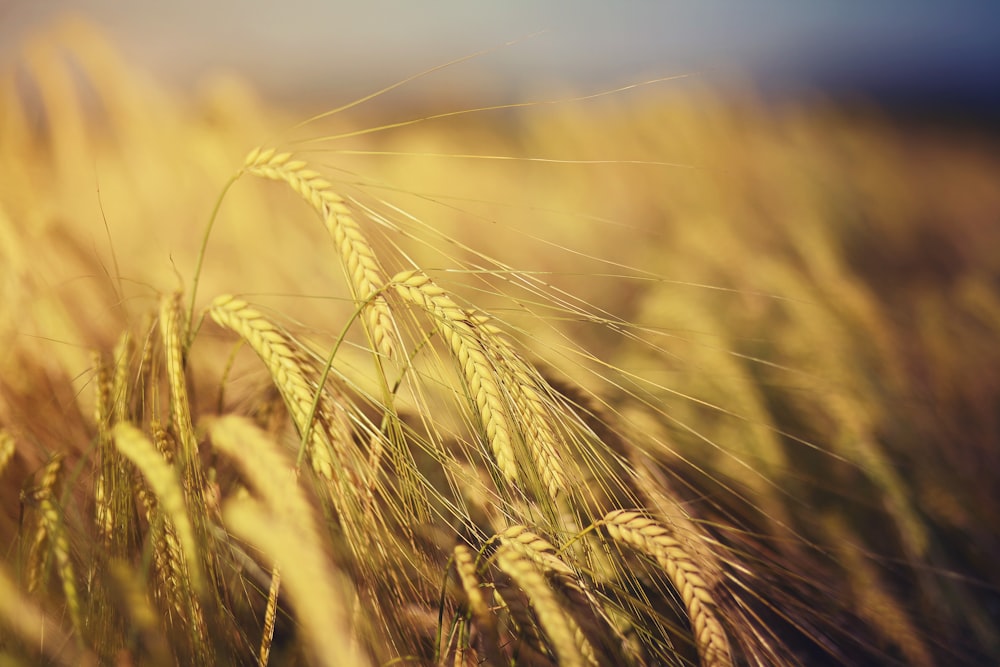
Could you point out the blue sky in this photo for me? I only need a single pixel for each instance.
(924, 51)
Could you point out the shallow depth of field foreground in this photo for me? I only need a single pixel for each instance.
(651, 378)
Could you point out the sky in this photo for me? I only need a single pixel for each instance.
(917, 52)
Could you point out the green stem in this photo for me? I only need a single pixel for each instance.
(307, 431)
(201, 252)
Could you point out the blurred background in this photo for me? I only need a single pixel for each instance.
(914, 57)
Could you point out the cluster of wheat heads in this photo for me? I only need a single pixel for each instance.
(424, 552)
(225, 485)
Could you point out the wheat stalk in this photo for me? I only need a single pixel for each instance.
(654, 540)
(363, 270)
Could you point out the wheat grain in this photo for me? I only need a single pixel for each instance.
(363, 270)
(654, 540)
(163, 440)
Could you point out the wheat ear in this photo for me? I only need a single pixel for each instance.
(327, 443)
(175, 550)
(50, 531)
(172, 331)
(876, 603)
(563, 633)
(284, 528)
(64, 565)
(465, 565)
(120, 378)
(168, 557)
(537, 548)
(266, 469)
(485, 622)
(6, 449)
(459, 331)
(132, 596)
(166, 486)
(26, 620)
(270, 614)
(103, 513)
(654, 540)
(113, 509)
(363, 270)
(534, 416)
(42, 491)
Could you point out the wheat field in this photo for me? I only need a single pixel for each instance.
(652, 377)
